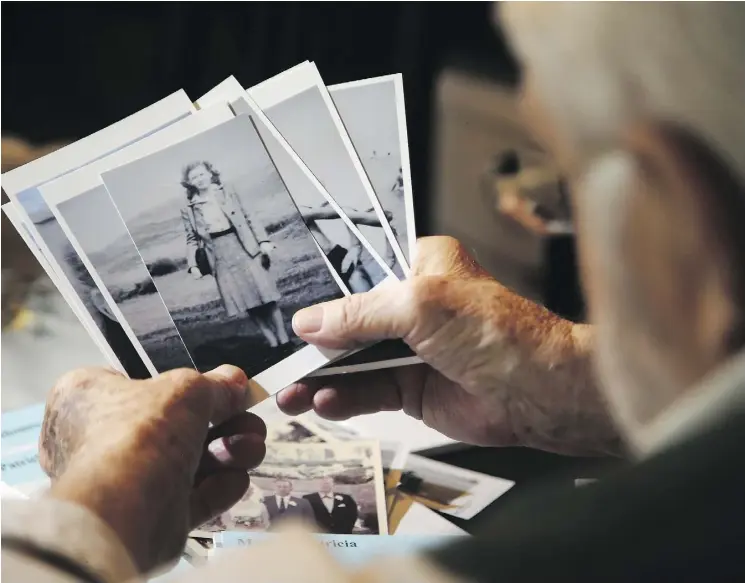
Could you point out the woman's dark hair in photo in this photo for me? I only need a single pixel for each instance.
(191, 190)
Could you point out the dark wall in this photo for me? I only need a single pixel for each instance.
(71, 68)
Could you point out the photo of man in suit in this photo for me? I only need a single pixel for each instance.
(335, 513)
(283, 505)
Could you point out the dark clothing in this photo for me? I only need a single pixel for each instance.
(678, 516)
(336, 257)
(341, 520)
(297, 508)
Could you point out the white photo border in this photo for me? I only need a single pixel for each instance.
(301, 78)
(403, 139)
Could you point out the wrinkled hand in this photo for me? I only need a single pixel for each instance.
(141, 454)
(500, 369)
(267, 247)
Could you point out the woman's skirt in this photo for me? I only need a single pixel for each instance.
(241, 280)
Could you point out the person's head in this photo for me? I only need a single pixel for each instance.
(641, 104)
(326, 485)
(282, 487)
(198, 176)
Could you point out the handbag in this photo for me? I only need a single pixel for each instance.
(201, 258)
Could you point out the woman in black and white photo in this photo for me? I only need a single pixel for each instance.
(223, 241)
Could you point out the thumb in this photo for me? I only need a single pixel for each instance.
(385, 313)
(230, 391)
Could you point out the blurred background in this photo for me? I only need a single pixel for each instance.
(69, 69)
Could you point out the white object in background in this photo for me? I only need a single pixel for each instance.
(398, 426)
(10, 493)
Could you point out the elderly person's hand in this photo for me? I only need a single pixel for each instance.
(500, 370)
(142, 456)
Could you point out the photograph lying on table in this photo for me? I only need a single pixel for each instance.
(334, 488)
(449, 489)
(297, 103)
(215, 206)
(374, 115)
(281, 427)
(22, 187)
(293, 431)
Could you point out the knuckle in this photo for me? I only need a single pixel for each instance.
(426, 292)
(182, 379)
(351, 314)
(426, 300)
(78, 379)
(437, 254)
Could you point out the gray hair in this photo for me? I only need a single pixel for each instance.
(600, 66)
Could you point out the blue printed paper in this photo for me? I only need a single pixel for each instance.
(20, 446)
(350, 550)
(21, 427)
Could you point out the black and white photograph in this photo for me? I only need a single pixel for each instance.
(215, 206)
(333, 488)
(95, 228)
(22, 186)
(351, 256)
(298, 104)
(79, 289)
(374, 117)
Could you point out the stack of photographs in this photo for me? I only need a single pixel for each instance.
(190, 232)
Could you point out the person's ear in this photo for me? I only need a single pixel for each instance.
(683, 237)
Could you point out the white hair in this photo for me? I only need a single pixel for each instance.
(600, 66)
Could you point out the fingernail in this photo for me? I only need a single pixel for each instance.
(218, 449)
(308, 321)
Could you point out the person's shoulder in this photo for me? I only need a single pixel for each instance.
(309, 496)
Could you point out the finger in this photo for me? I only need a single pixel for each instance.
(384, 313)
(238, 452)
(216, 494)
(242, 423)
(345, 396)
(229, 392)
(298, 397)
